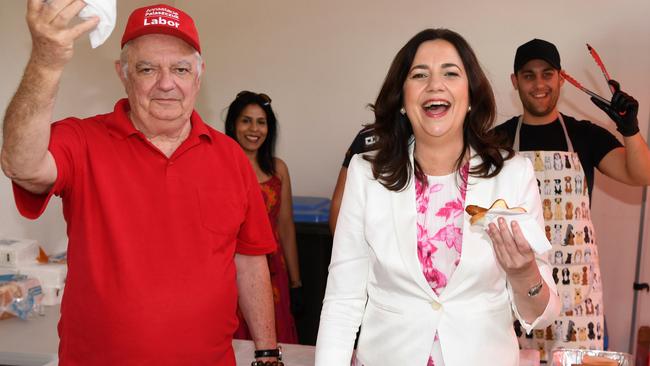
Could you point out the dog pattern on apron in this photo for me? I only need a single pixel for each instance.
(574, 255)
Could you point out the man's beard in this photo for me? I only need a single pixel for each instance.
(538, 110)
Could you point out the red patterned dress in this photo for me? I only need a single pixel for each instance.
(285, 327)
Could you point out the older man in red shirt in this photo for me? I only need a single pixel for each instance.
(166, 223)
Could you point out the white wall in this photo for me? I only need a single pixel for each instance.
(322, 62)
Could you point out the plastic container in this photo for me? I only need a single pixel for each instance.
(571, 357)
(14, 252)
(311, 216)
(311, 209)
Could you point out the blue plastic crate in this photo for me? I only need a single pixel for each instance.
(311, 209)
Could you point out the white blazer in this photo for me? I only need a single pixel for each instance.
(376, 282)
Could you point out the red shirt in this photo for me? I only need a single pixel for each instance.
(151, 277)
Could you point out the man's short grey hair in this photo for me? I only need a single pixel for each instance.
(124, 61)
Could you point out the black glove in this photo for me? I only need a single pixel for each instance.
(297, 301)
(623, 110)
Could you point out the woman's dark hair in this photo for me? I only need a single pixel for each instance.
(391, 164)
(267, 150)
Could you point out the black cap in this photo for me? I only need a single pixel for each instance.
(537, 49)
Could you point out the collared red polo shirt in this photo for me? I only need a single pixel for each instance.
(151, 277)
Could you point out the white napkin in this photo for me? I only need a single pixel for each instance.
(529, 226)
(106, 11)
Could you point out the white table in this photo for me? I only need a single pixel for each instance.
(34, 342)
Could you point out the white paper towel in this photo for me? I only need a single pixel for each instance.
(529, 226)
(106, 11)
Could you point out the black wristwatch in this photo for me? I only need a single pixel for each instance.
(536, 289)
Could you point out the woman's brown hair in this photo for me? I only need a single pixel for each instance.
(391, 164)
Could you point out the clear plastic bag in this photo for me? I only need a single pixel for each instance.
(20, 296)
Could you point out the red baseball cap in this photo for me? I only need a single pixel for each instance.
(161, 19)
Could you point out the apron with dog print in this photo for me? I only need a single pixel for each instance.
(573, 257)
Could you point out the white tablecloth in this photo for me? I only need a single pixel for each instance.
(293, 354)
(35, 342)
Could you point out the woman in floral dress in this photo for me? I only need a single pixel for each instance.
(426, 287)
(251, 122)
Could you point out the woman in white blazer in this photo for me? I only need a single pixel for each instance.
(425, 286)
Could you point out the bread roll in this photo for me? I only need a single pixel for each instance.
(478, 213)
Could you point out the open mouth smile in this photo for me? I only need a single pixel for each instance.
(436, 108)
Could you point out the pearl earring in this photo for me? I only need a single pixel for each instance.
(402, 111)
(469, 109)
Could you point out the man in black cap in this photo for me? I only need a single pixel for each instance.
(564, 153)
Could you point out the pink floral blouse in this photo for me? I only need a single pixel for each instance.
(440, 205)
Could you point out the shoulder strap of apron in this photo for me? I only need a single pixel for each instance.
(520, 120)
